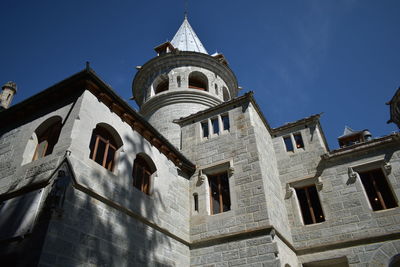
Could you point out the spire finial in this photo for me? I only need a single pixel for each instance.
(186, 8)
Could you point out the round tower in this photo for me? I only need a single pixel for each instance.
(9, 89)
(182, 80)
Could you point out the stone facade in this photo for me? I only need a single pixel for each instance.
(91, 214)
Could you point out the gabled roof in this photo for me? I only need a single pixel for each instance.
(348, 132)
(186, 39)
(87, 79)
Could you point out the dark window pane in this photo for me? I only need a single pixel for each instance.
(316, 204)
(196, 202)
(110, 158)
(288, 143)
(101, 148)
(204, 127)
(226, 199)
(219, 190)
(378, 191)
(141, 175)
(225, 122)
(299, 140)
(304, 207)
(215, 125)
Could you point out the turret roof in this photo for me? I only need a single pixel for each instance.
(186, 39)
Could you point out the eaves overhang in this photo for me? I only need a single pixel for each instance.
(362, 147)
(246, 98)
(88, 80)
(304, 121)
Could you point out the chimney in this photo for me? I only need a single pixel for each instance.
(9, 89)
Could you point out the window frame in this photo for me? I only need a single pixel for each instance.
(222, 198)
(379, 196)
(211, 130)
(299, 144)
(105, 154)
(309, 206)
(288, 137)
(148, 173)
(223, 124)
(50, 138)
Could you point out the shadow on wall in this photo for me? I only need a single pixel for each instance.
(95, 231)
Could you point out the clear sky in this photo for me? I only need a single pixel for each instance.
(300, 57)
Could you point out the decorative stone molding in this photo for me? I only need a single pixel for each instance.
(231, 170)
(387, 167)
(289, 191)
(352, 176)
(202, 177)
(318, 184)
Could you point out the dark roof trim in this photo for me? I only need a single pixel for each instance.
(310, 119)
(349, 150)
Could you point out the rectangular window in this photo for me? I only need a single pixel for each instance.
(225, 122)
(220, 200)
(288, 143)
(310, 205)
(299, 140)
(380, 195)
(204, 128)
(215, 125)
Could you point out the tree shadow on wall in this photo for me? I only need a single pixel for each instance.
(112, 228)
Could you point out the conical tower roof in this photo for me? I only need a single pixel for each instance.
(186, 39)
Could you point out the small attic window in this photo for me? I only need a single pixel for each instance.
(299, 140)
(216, 89)
(288, 143)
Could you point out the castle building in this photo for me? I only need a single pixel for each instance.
(196, 177)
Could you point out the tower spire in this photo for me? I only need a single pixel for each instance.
(186, 39)
(186, 8)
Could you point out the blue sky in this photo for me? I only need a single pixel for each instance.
(300, 57)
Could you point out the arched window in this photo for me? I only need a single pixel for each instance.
(395, 261)
(143, 169)
(225, 94)
(103, 146)
(178, 81)
(161, 84)
(216, 89)
(198, 80)
(47, 137)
